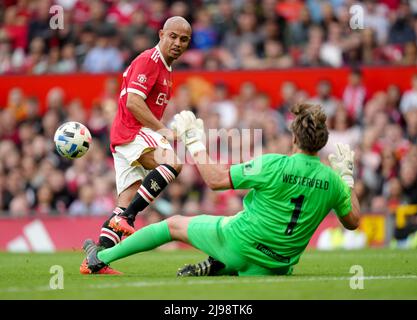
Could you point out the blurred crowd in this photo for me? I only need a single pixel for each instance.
(381, 128)
(106, 35)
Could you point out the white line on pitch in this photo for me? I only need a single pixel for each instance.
(179, 282)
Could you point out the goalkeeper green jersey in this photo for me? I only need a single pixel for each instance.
(289, 197)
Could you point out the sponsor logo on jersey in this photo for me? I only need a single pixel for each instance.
(161, 99)
(271, 253)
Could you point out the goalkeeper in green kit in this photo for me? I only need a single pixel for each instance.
(289, 197)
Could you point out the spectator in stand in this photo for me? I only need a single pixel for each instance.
(61, 197)
(224, 18)
(224, 106)
(341, 129)
(369, 51)
(325, 98)
(121, 12)
(311, 51)
(85, 43)
(290, 9)
(394, 194)
(68, 62)
(401, 30)
(274, 56)
(331, 52)
(354, 95)
(288, 99)
(377, 20)
(410, 54)
(44, 205)
(19, 206)
(55, 102)
(36, 61)
(245, 98)
(38, 25)
(245, 32)
(247, 57)
(411, 126)
(408, 178)
(141, 33)
(204, 34)
(388, 37)
(388, 169)
(298, 30)
(85, 205)
(409, 99)
(393, 104)
(5, 53)
(103, 57)
(393, 137)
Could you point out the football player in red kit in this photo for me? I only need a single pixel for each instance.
(136, 138)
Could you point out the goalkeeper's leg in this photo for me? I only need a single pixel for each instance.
(151, 237)
(147, 238)
(207, 267)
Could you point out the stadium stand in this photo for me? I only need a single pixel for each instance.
(104, 36)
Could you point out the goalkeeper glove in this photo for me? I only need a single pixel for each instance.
(190, 130)
(342, 163)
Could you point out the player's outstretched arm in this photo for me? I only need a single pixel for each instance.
(140, 110)
(342, 162)
(191, 131)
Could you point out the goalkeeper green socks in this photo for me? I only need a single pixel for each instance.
(147, 238)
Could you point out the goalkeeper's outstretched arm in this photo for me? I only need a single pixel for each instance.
(215, 175)
(351, 220)
(343, 162)
(191, 131)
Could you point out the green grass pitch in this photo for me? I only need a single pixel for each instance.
(388, 274)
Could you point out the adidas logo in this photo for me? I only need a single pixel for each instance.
(35, 238)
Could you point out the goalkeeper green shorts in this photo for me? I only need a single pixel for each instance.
(206, 234)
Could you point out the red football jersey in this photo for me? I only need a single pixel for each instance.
(150, 77)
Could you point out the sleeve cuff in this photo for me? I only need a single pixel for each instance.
(136, 91)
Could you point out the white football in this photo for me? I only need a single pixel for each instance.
(72, 140)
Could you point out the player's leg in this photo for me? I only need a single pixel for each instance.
(153, 236)
(147, 238)
(130, 172)
(128, 180)
(128, 176)
(163, 170)
(109, 236)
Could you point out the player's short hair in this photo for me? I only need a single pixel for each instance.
(309, 127)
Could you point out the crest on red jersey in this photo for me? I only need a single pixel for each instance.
(142, 78)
